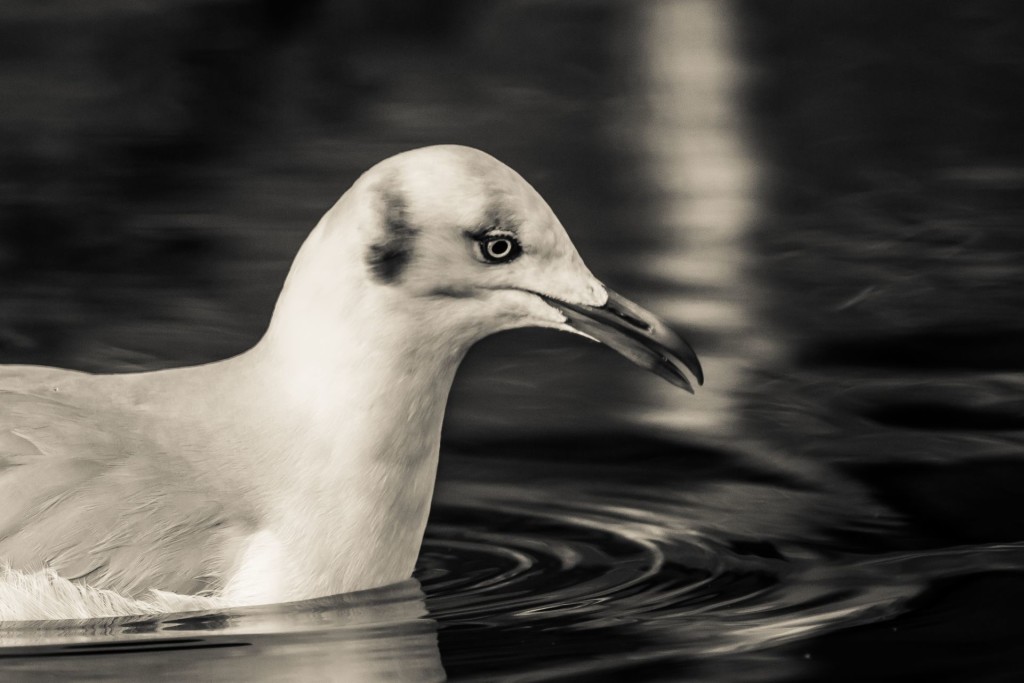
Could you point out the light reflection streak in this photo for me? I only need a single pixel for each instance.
(697, 158)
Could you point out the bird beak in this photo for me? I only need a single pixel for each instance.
(636, 334)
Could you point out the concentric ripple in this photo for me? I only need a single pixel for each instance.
(537, 565)
(501, 563)
(571, 575)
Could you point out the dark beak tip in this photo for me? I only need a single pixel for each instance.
(638, 335)
(688, 385)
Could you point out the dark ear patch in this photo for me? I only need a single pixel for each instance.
(388, 257)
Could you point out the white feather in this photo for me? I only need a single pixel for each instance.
(42, 595)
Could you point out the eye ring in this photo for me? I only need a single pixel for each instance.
(499, 248)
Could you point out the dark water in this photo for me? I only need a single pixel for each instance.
(828, 200)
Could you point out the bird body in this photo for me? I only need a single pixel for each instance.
(214, 478)
(305, 466)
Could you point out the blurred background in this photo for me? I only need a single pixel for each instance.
(825, 198)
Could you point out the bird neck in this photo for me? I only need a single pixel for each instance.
(351, 405)
(351, 496)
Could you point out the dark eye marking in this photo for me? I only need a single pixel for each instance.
(388, 257)
(498, 246)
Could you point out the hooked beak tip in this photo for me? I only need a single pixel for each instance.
(637, 334)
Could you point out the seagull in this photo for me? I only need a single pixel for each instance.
(305, 466)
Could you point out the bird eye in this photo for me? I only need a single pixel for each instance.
(499, 248)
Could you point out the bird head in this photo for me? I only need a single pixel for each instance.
(449, 239)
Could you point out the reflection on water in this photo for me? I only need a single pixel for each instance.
(696, 162)
(848, 480)
(353, 635)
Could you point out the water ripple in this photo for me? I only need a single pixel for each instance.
(652, 577)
